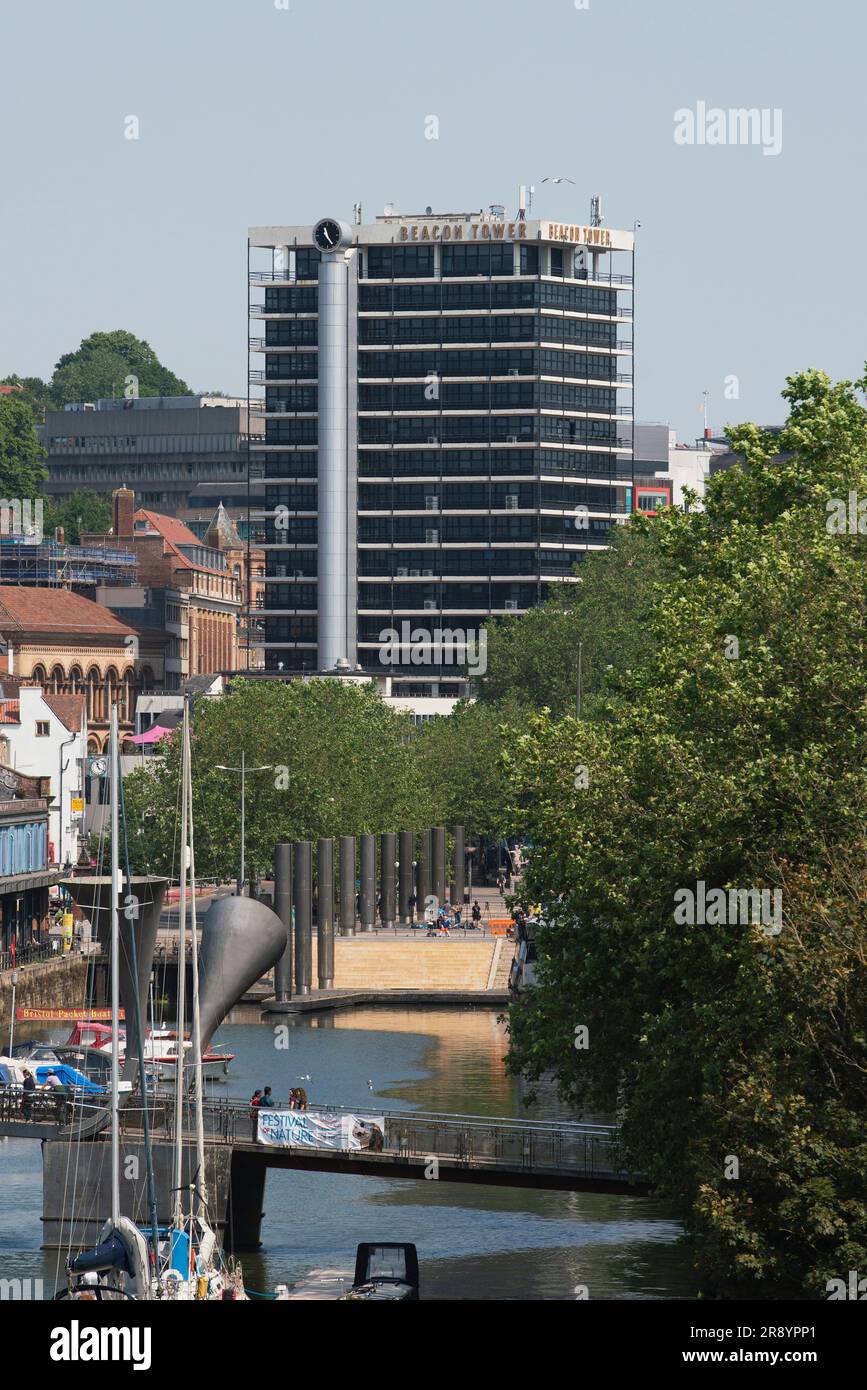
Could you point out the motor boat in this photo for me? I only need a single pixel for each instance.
(383, 1274)
(160, 1048)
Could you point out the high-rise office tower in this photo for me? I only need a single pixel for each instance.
(448, 429)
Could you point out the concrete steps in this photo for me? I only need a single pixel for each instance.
(425, 964)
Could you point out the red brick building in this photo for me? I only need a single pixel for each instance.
(191, 590)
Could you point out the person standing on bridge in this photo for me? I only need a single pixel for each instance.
(27, 1098)
(267, 1099)
(255, 1101)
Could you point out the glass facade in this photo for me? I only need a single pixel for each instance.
(494, 434)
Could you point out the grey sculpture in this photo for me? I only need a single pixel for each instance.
(283, 908)
(241, 939)
(347, 885)
(388, 865)
(140, 909)
(459, 870)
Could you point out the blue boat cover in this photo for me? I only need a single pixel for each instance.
(180, 1254)
(67, 1074)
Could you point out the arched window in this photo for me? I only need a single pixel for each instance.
(57, 678)
(37, 675)
(76, 680)
(110, 688)
(127, 696)
(94, 697)
(92, 745)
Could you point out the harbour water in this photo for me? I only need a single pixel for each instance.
(473, 1242)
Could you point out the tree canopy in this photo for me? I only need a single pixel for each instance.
(101, 364)
(76, 512)
(729, 753)
(98, 369)
(22, 472)
(460, 762)
(338, 762)
(533, 659)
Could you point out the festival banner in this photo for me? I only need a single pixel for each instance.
(306, 1129)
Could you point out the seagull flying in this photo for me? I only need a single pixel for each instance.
(557, 178)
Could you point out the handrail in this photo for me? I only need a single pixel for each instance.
(550, 1146)
(27, 955)
(585, 276)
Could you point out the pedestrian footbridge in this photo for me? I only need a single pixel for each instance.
(409, 1144)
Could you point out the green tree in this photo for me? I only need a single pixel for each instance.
(340, 764)
(22, 472)
(76, 512)
(100, 366)
(732, 752)
(34, 392)
(460, 761)
(533, 658)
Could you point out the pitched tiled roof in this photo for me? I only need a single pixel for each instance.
(10, 712)
(175, 534)
(169, 527)
(25, 608)
(68, 708)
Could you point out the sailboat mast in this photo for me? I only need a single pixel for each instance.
(196, 1029)
(115, 971)
(182, 979)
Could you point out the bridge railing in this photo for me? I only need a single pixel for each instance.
(475, 1140)
(470, 1139)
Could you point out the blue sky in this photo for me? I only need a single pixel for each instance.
(252, 114)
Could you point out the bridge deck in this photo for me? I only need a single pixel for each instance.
(416, 1144)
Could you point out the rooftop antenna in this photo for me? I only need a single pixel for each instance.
(703, 408)
(596, 210)
(525, 200)
(356, 214)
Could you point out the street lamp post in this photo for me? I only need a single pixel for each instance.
(243, 769)
(14, 979)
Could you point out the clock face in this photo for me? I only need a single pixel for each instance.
(98, 767)
(328, 234)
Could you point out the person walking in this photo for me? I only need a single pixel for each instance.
(411, 904)
(476, 913)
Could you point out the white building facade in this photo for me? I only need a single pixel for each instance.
(49, 739)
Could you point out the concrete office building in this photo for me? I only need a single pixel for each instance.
(180, 455)
(447, 430)
(664, 468)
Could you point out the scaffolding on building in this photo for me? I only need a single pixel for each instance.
(54, 564)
